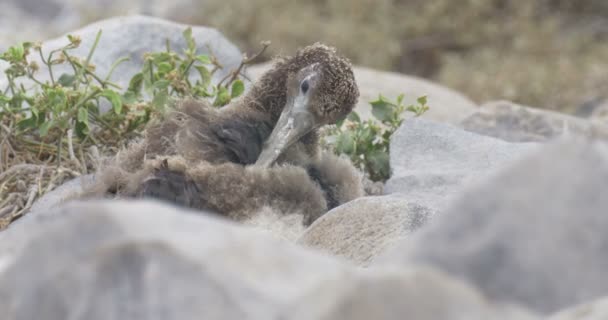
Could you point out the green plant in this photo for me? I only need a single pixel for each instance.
(71, 103)
(60, 121)
(366, 142)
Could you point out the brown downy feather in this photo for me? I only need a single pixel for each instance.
(209, 147)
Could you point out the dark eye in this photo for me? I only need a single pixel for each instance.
(304, 86)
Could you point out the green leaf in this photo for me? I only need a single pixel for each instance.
(16, 52)
(83, 115)
(222, 98)
(66, 80)
(422, 100)
(339, 123)
(4, 100)
(378, 165)
(400, 99)
(204, 59)
(160, 100)
(57, 99)
(82, 130)
(129, 97)
(30, 122)
(238, 87)
(354, 117)
(161, 84)
(345, 143)
(114, 99)
(44, 128)
(382, 110)
(136, 83)
(205, 75)
(164, 67)
(189, 40)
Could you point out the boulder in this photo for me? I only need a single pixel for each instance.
(446, 105)
(43, 19)
(361, 229)
(516, 123)
(432, 162)
(145, 260)
(57, 196)
(132, 37)
(596, 310)
(534, 234)
(416, 293)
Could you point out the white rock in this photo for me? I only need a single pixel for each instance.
(534, 234)
(432, 162)
(361, 229)
(596, 310)
(145, 260)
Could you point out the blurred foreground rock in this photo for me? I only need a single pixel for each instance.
(596, 310)
(144, 260)
(534, 234)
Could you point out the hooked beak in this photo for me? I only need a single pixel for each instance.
(294, 123)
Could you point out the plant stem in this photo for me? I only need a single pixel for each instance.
(114, 65)
(46, 62)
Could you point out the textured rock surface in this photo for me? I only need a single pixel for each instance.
(534, 234)
(144, 260)
(132, 37)
(446, 105)
(596, 310)
(432, 162)
(361, 229)
(419, 294)
(516, 123)
(63, 193)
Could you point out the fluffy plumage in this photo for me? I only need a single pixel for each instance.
(201, 157)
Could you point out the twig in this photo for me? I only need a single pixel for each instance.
(5, 210)
(71, 148)
(84, 67)
(20, 167)
(31, 195)
(8, 200)
(234, 74)
(48, 66)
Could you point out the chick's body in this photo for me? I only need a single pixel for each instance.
(203, 157)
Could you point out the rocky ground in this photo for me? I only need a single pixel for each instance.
(492, 212)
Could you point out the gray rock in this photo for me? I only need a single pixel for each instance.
(596, 310)
(145, 260)
(63, 193)
(132, 37)
(421, 294)
(516, 123)
(534, 234)
(446, 105)
(432, 162)
(36, 20)
(361, 229)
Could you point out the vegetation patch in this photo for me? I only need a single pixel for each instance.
(57, 129)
